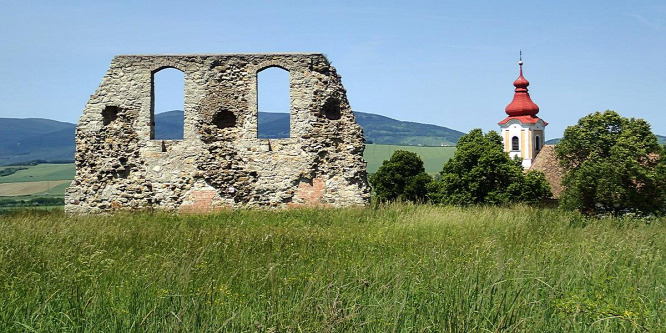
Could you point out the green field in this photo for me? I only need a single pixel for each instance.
(390, 268)
(40, 172)
(433, 157)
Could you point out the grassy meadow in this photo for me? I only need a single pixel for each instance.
(390, 268)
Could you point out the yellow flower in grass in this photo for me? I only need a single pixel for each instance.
(224, 289)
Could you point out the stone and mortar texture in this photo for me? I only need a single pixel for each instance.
(220, 163)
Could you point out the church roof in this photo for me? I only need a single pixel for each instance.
(546, 161)
(522, 104)
(523, 119)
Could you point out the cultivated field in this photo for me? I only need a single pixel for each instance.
(395, 268)
(37, 180)
(33, 188)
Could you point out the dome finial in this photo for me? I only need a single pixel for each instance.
(522, 104)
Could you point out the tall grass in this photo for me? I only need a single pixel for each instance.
(394, 268)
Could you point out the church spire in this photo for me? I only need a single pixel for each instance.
(522, 104)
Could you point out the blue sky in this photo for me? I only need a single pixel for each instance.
(449, 63)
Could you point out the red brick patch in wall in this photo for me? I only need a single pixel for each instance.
(199, 201)
(311, 192)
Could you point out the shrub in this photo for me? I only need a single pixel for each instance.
(402, 177)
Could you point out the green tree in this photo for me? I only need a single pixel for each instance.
(402, 177)
(613, 165)
(481, 172)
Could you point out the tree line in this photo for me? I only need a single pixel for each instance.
(34, 202)
(612, 164)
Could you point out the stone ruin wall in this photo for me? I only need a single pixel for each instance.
(220, 163)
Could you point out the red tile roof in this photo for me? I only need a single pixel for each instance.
(523, 119)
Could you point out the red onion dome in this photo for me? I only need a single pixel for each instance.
(522, 104)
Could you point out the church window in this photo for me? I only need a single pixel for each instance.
(537, 143)
(515, 144)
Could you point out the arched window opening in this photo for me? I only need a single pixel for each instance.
(537, 143)
(224, 119)
(273, 104)
(331, 109)
(168, 104)
(109, 114)
(515, 143)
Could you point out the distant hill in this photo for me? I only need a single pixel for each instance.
(30, 139)
(384, 130)
(273, 125)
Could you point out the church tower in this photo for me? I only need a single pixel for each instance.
(522, 131)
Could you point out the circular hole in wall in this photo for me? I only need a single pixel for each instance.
(224, 119)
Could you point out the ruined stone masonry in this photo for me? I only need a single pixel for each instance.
(220, 163)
